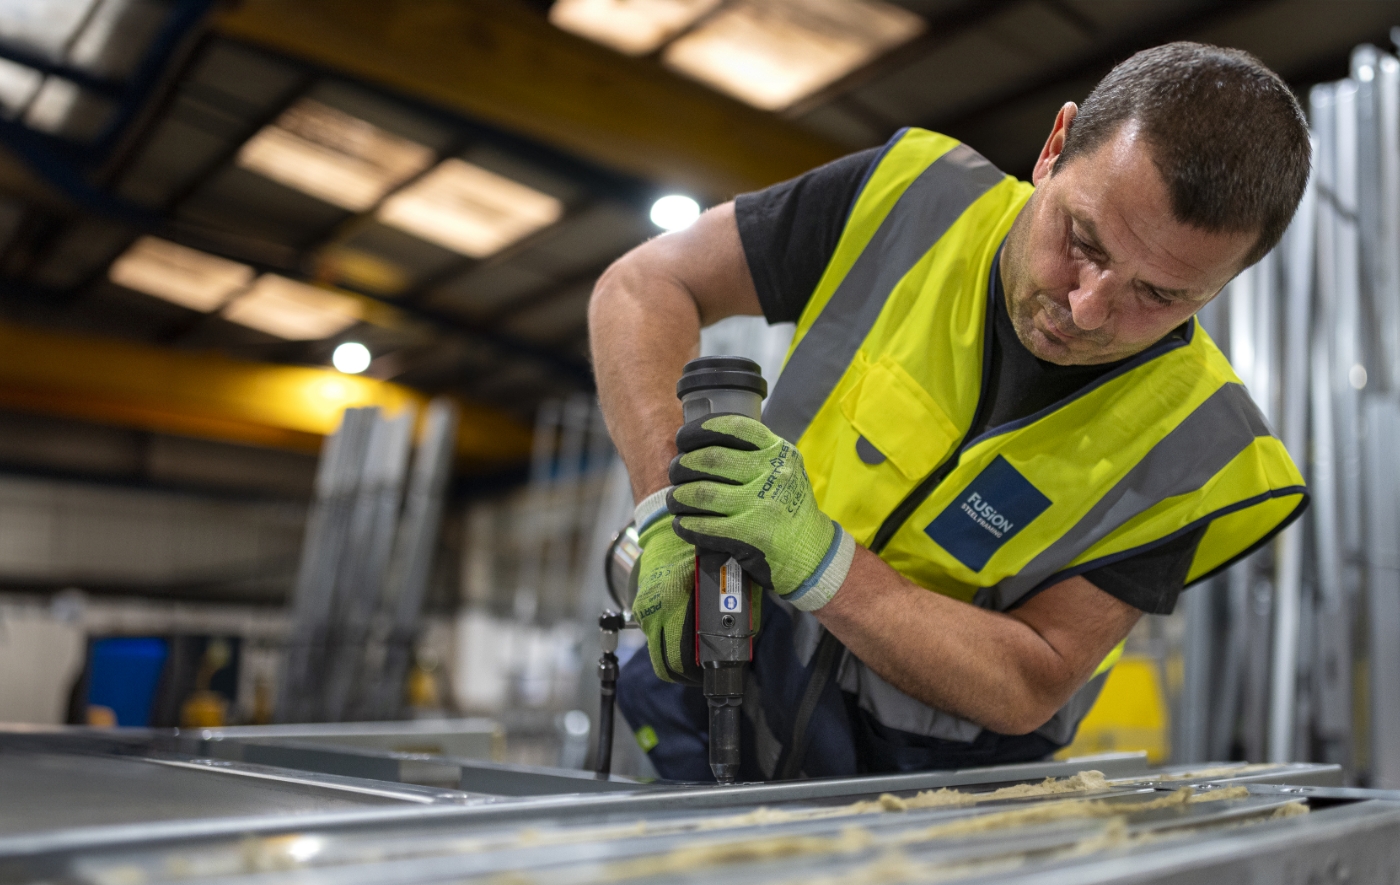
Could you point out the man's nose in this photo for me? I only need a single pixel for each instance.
(1091, 302)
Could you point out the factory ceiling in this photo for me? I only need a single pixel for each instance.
(444, 181)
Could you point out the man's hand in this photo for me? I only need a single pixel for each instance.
(742, 490)
(665, 588)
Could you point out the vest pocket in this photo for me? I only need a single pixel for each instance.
(899, 420)
(894, 435)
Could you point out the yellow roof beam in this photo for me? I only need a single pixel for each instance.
(499, 62)
(212, 396)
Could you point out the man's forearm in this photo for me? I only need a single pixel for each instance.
(644, 325)
(642, 330)
(1002, 671)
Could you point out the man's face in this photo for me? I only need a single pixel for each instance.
(1096, 268)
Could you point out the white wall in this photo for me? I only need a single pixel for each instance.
(40, 657)
(60, 531)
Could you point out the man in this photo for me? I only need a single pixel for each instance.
(1000, 435)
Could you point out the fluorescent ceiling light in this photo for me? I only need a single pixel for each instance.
(292, 310)
(187, 277)
(51, 108)
(635, 27)
(771, 53)
(468, 209)
(333, 156)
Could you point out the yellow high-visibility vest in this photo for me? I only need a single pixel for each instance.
(884, 378)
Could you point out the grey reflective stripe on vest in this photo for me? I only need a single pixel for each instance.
(918, 220)
(1181, 462)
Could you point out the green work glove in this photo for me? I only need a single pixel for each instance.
(742, 490)
(665, 590)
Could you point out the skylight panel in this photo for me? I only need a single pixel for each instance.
(333, 156)
(292, 310)
(53, 105)
(46, 25)
(470, 210)
(178, 274)
(18, 83)
(635, 27)
(772, 53)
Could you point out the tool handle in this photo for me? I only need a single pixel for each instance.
(723, 610)
(723, 601)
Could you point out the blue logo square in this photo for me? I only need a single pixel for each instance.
(997, 504)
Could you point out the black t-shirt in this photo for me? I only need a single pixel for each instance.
(789, 232)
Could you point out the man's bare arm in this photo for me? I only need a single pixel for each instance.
(644, 324)
(1007, 672)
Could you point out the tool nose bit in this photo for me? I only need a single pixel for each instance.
(724, 738)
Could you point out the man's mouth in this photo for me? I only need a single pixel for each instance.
(1053, 329)
(1063, 329)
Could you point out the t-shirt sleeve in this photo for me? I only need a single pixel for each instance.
(1151, 580)
(790, 230)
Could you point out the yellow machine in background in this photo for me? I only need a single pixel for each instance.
(1131, 714)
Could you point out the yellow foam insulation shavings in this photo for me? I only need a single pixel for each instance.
(1083, 782)
(121, 874)
(895, 866)
(686, 859)
(1068, 809)
(857, 839)
(1292, 809)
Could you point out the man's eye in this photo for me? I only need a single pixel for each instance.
(1080, 246)
(1157, 297)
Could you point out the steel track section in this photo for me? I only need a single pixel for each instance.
(995, 837)
(841, 828)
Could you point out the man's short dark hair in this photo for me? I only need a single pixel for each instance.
(1226, 133)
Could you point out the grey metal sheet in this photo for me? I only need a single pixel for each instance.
(619, 806)
(472, 775)
(1299, 773)
(45, 791)
(498, 779)
(520, 780)
(471, 738)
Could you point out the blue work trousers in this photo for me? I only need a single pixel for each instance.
(842, 739)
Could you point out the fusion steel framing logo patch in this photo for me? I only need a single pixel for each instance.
(997, 504)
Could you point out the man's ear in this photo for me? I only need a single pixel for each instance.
(1055, 144)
